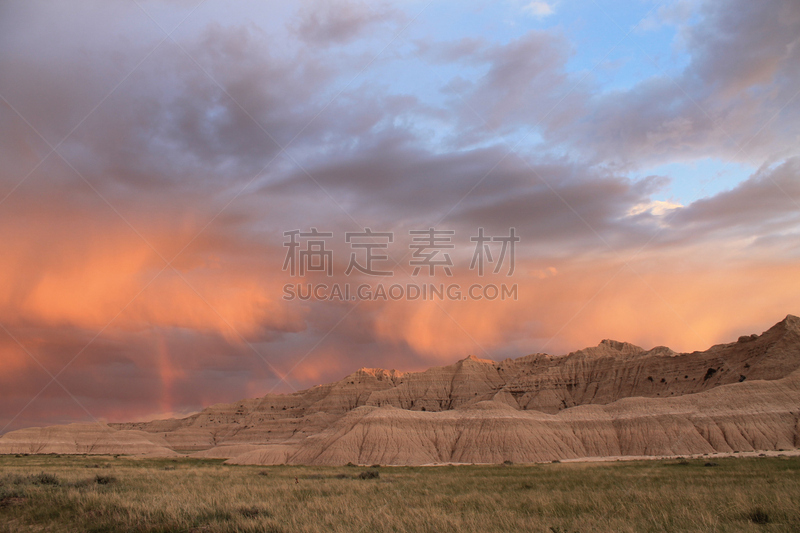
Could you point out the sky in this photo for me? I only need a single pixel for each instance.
(156, 156)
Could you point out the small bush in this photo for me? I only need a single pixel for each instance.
(375, 466)
(341, 476)
(681, 461)
(104, 480)
(369, 474)
(349, 464)
(12, 500)
(710, 463)
(759, 516)
(508, 462)
(9, 492)
(252, 512)
(13, 479)
(169, 467)
(263, 473)
(45, 479)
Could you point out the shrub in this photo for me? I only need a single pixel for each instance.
(557, 529)
(758, 516)
(45, 479)
(10, 500)
(508, 462)
(11, 479)
(711, 464)
(369, 474)
(681, 461)
(104, 480)
(252, 512)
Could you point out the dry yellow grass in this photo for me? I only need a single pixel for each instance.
(122, 494)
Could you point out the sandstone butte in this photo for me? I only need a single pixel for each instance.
(612, 400)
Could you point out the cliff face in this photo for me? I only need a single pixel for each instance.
(746, 417)
(611, 399)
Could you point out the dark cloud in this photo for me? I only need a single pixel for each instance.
(559, 203)
(524, 83)
(766, 203)
(733, 100)
(742, 46)
(518, 86)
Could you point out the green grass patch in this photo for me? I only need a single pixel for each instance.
(80, 493)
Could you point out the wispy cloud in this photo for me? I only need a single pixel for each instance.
(539, 9)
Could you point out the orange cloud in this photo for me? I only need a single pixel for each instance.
(690, 309)
(88, 276)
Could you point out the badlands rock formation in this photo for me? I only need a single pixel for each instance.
(614, 399)
(86, 438)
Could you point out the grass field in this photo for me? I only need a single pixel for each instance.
(80, 493)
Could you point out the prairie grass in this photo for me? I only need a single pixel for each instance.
(55, 494)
